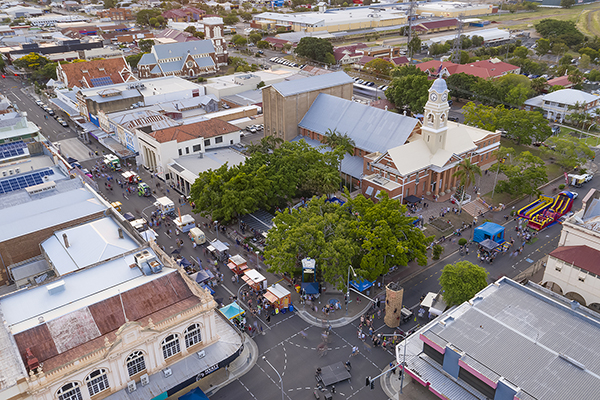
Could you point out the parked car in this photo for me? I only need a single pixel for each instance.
(39, 103)
(453, 119)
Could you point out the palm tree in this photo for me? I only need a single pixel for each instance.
(340, 143)
(465, 172)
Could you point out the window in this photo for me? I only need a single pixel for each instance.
(170, 346)
(187, 150)
(180, 153)
(70, 391)
(97, 381)
(196, 148)
(207, 142)
(135, 363)
(192, 335)
(219, 139)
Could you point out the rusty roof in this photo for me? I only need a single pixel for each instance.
(81, 73)
(583, 257)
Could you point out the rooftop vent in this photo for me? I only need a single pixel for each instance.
(56, 287)
(66, 240)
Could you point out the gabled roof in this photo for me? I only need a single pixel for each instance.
(583, 257)
(177, 35)
(483, 69)
(318, 82)
(561, 80)
(372, 129)
(172, 50)
(570, 96)
(147, 59)
(81, 74)
(203, 129)
(443, 23)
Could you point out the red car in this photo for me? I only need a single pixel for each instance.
(4, 76)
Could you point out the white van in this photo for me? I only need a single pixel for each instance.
(197, 236)
(139, 224)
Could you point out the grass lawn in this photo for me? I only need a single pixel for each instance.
(522, 20)
(592, 139)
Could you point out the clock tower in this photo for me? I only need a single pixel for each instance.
(435, 117)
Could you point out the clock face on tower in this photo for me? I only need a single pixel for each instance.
(433, 97)
(444, 97)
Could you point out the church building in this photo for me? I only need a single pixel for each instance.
(424, 166)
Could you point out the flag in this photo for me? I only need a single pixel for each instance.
(439, 69)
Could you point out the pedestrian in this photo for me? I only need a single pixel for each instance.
(332, 388)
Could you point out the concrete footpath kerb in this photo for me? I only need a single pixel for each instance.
(240, 366)
(334, 323)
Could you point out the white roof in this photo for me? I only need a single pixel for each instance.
(570, 96)
(237, 259)
(278, 290)
(165, 201)
(104, 235)
(22, 309)
(254, 275)
(47, 211)
(184, 219)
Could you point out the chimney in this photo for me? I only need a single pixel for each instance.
(120, 233)
(66, 240)
(386, 108)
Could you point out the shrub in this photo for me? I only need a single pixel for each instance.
(437, 251)
(561, 186)
(462, 241)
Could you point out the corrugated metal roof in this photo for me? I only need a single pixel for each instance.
(205, 62)
(533, 340)
(351, 165)
(172, 50)
(372, 129)
(290, 88)
(147, 58)
(171, 66)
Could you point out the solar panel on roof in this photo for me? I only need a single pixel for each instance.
(12, 149)
(24, 181)
(102, 81)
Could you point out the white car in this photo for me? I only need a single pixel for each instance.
(575, 194)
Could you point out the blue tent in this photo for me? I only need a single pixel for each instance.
(205, 286)
(362, 285)
(203, 275)
(196, 394)
(232, 310)
(489, 230)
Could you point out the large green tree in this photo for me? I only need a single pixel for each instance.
(379, 67)
(568, 151)
(543, 46)
(560, 31)
(461, 85)
(461, 281)
(145, 45)
(271, 177)
(143, 16)
(466, 172)
(315, 49)
(409, 91)
(524, 173)
(371, 237)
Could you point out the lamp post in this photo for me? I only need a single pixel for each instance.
(238, 293)
(348, 286)
(280, 380)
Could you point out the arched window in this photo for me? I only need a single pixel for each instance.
(430, 119)
(443, 119)
(193, 335)
(135, 363)
(170, 346)
(97, 381)
(70, 391)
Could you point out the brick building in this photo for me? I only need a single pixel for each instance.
(95, 73)
(187, 59)
(286, 103)
(425, 165)
(185, 14)
(117, 14)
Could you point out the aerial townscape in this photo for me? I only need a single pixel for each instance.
(342, 199)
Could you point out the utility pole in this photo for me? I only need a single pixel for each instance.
(410, 20)
(457, 47)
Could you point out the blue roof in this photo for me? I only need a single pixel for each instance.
(296, 86)
(171, 66)
(147, 58)
(351, 165)
(205, 62)
(372, 129)
(173, 50)
(232, 310)
(439, 85)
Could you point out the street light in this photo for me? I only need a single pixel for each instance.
(348, 286)
(280, 379)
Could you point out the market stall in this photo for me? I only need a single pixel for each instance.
(232, 311)
(433, 303)
(255, 279)
(218, 249)
(361, 285)
(279, 297)
(309, 282)
(237, 264)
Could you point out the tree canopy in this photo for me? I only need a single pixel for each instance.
(409, 91)
(40, 67)
(524, 173)
(371, 237)
(271, 177)
(379, 67)
(461, 281)
(568, 151)
(560, 31)
(522, 126)
(315, 49)
(143, 16)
